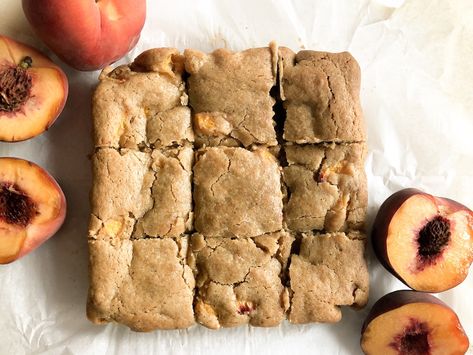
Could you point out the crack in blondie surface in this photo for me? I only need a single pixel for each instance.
(230, 84)
(324, 182)
(238, 280)
(328, 272)
(318, 97)
(237, 192)
(147, 284)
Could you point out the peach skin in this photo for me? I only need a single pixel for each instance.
(87, 34)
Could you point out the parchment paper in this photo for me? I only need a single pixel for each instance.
(417, 75)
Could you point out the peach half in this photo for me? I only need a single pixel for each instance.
(425, 241)
(412, 323)
(33, 91)
(32, 208)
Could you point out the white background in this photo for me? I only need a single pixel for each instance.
(417, 95)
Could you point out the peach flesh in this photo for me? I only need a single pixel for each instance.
(245, 309)
(33, 91)
(411, 322)
(383, 218)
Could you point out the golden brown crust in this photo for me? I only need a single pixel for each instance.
(165, 61)
(143, 104)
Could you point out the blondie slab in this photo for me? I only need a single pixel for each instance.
(144, 284)
(149, 192)
(326, 186)
(239, 280)
(329, 271)
(229, 93)
(143, 104)
(167, 165)
(320, 91)
(237, 192)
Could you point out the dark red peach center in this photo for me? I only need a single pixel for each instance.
(15, 85)
(15, 206)
(433, 238)
(414, 340)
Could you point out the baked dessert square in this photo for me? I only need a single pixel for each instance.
(187, 144)
(143, 104)
(321, 93)
(148, 192)
(237, 192)
(171, 212)
(120, 193)
(229, 93)
(329, 271)
(326, 187)
(239, 280)
(144, 284)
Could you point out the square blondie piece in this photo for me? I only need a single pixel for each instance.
(329, 271)
(237, 192)
(144, 284)
(239, 280)
(229, 93)
(326, 187)
(143, 104)
(149, 192)
(321, 93)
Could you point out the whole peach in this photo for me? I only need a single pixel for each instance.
(87, 34)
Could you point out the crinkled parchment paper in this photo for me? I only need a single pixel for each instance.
(417, 73)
